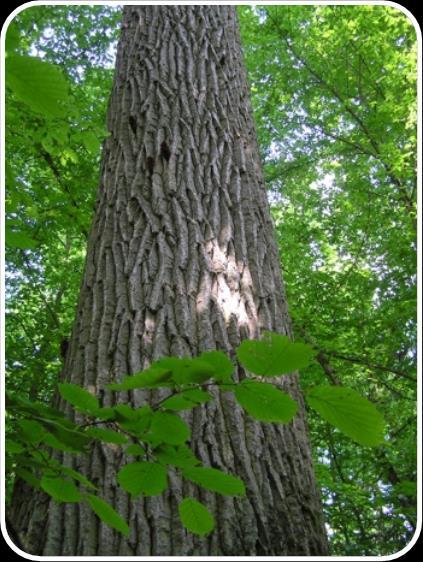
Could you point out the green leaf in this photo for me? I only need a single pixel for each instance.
(29, 477)
(153, 377)
(181, 456)
(79, 397)
(15, 239)
(215, 480)
(186, 400)
(135, 450)
(69, 438)
(60, 489)
(169, 428)
(31, 430)
(195, 517)
(78, 476)
(222, 365)
(145, 478)
(197, 395)
(186, 370)
(107, 435)
(178, 402)
(13, 447)
(265, 402)
(107, 514)
(91, 142)
(12, 38)
(40, 85)
(136, 421)
(106, 414)
(352, 414)
(274, 355)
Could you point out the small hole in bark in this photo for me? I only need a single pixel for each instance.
(165, 151)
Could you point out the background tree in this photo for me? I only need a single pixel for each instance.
(352, 293)
(182, 259)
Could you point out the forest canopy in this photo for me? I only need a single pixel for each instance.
(333, 90)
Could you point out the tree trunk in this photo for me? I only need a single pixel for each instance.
(182, 259)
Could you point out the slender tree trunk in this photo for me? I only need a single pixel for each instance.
(181, 259)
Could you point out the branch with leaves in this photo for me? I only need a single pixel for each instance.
(158, 437)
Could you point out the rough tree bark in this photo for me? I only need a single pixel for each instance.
(181, 259)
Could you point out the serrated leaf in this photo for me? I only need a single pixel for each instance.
(19, 239)
(135, 450)
(60, 489)
(72, 440)
(153, 377)
(13, 447)
(106, 414)
(349, 412)
(274, 355)
(181, 457)
(265, 402)
(29, 477)
(107, 514)
(31, 430)
(178, 402)
(136, 421)
(83, 400)
(186, 400)
(107, 435)
(39, 84)
(145, 478)
(169, 428)
(222, 365)
(77, 476)
(196, 517)
(91, 142)
(215, 480)
(186, 370)
(197, 395)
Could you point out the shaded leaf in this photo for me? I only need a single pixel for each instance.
(60, 489)
(215, 480)
(83, 400)
(107, 514)
(195, 516)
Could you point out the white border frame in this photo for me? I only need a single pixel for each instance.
(416, 26)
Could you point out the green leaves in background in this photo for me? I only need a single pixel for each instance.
(196, 517)
(215, 480)
(349, 412)
(273, 355)
(107, 514)
(146, 478)
(40, 85)
(83, 400)
(265, 402)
